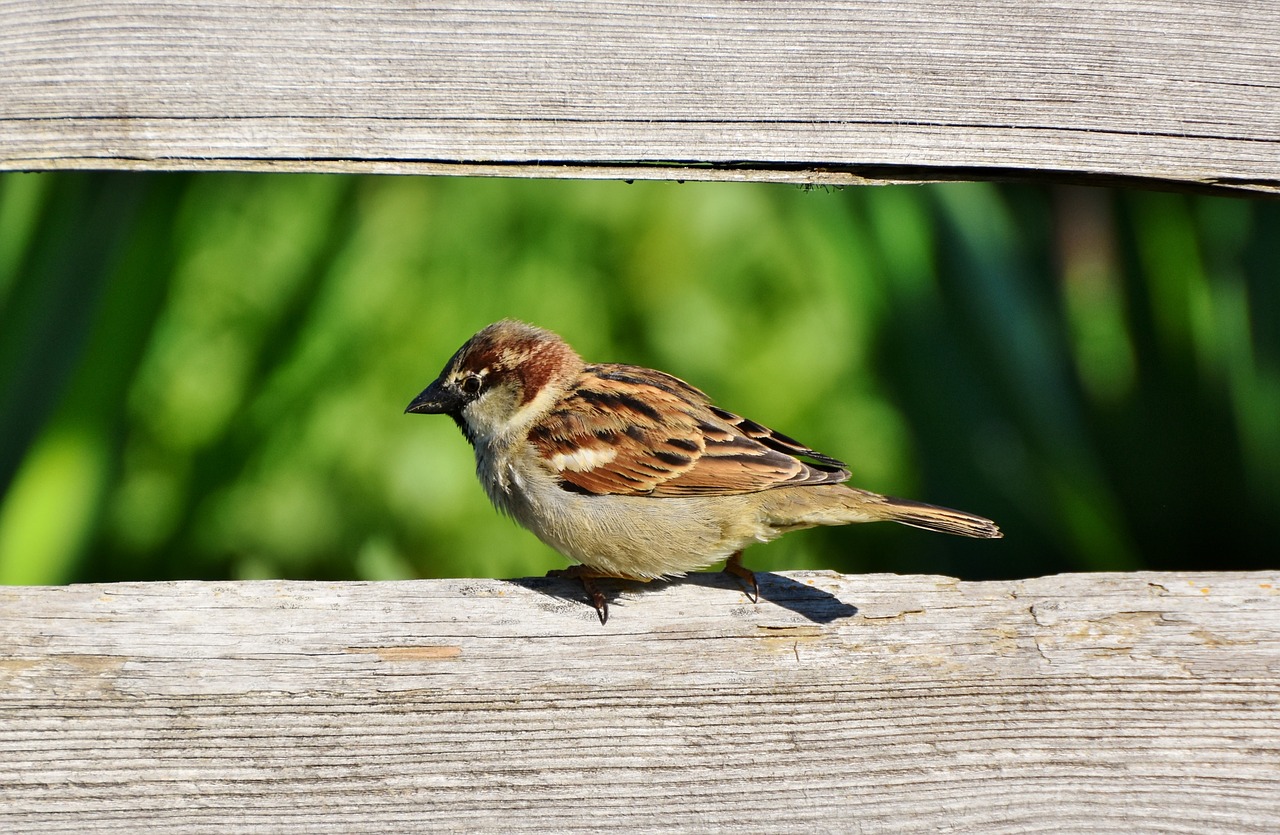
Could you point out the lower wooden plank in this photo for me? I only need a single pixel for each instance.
(878, 703)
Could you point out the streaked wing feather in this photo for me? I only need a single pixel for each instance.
(626, 430)
(775, 440)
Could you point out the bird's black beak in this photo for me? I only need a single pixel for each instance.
(435, 400)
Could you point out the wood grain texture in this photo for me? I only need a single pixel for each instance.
(877, 703)
(1180, 92)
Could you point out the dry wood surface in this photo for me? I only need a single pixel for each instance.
(1182, 93)
(874, 703)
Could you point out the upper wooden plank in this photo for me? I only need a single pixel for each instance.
(1186, 92)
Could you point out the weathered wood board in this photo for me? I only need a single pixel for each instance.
(877, 703)
(1180, 93)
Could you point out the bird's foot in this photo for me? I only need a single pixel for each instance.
(734, 566)
(587, 578)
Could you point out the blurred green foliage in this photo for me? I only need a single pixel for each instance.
(204, 375)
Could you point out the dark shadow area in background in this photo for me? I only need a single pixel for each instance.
(813, 604)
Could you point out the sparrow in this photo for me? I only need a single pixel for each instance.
(635, 474)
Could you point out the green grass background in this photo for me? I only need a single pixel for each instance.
(203, 376)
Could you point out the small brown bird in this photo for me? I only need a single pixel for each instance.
(633, 473)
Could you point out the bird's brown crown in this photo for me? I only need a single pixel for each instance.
(514, 349)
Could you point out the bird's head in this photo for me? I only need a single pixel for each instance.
(501, 380)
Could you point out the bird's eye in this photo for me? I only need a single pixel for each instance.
(471, 384)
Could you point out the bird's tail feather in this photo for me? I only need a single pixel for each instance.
(935, 518)
(791, 509)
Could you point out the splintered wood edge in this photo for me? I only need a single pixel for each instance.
(808, 176)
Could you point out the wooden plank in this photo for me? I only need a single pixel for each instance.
(877, 703)
(1182, 93)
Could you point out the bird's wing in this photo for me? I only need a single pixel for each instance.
(625, 430)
